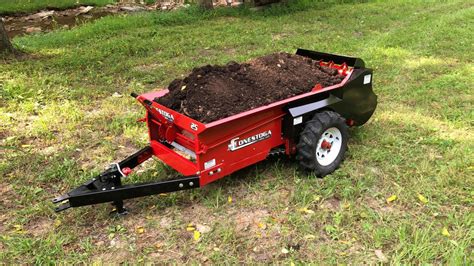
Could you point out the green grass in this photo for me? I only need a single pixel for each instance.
(25, 6)
(59, 124)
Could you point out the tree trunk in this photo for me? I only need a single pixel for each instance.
(207, 4)
(5, 44)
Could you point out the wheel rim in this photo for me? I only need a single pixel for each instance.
(329, 146)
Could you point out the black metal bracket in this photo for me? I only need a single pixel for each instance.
(107, 187)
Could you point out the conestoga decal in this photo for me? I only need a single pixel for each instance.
(167, 115)
(238, 143)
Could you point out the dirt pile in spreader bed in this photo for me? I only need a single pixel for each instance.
(210, 93)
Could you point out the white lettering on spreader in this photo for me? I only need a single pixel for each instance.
(238, 143)
(167, 115)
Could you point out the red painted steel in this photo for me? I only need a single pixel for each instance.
(219, 148)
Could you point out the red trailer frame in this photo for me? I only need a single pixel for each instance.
(203, 153)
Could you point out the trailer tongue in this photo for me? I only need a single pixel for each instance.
(311, 127)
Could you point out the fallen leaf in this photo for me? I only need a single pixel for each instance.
(196, 235)
(422, 198)
(229, 199)
(262, 225)
(18, 227)
(445, 232)
(306, 210)
(57, 223)
(285, 251)
(140, 230)
(309, 237)
(392, 198)
(190, 228)
(217, 249)
(380, 255)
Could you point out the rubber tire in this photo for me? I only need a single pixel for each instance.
(309, 137)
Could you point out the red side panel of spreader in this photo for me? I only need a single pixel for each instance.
(239, 143)
(216, 151)
(222, 147)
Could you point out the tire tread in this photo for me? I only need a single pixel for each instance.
(309, 139)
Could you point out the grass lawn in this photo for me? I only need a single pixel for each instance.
(60, 124)
(24, 6)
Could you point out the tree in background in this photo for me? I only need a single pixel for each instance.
(207, 4)
(5, 44)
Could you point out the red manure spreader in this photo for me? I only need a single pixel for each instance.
(311, 127)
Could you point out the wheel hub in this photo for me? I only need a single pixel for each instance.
(329, 146)
(326, 145)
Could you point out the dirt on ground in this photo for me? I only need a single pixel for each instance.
(51, 19)
(18, 24)
(211, 93)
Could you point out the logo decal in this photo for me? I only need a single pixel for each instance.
(194, 127)
(238, 143)
(167, 115)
